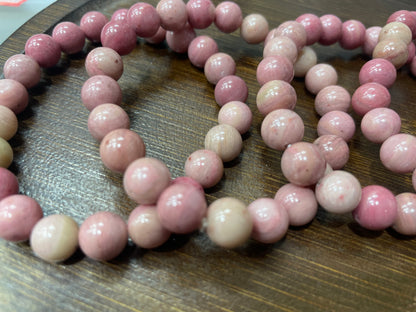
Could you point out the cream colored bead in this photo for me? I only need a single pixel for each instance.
(6, 153)
(8, 123)
(224, 140)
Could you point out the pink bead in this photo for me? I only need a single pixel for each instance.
(397, 153)
(353, 34)
(331, 29)
(282, 127)
(369, 96)
(69, 36)
(281, 45)
(103, 236)
(157, 38)
(411, 49)
(270, 220)
(119, 148)
(205, 167)
(335, 150)
(380, 71)
(299, 202)
(225, 140)
(144, 19)
(275, 68)
(201, 13)
(332, 98)
(313, 27)
(218, 66)
(379, 124)
(294, 31)
(275, 94)
(92, 23)
(172, 13)
(105, 118)
(43, 49)
(22, 68)
(405, 222)
(377, 209)
(188, 181)
(145, 229)
(119, 15)
(319, 77)
(236, 114)
(118, 36)
(337, 123)
(9, 184)
(371, 39)
(228, 16)
(8, 123)
(230, 88)
(306, 60)
(254, 28)
(303, 164)
(18, 216)
(405, 17)
(393, 50)
(200, 50)
(13, 95)
(104, 61)
(181, 208)
(180, 40)
(100, 89)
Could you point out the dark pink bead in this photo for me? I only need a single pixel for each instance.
(201, 13)
(294, 31)
(157, 38)
(219, 65)
(276, 67)
(100, 89)
(313, 27)
(334, 149)
(92, 23)
(13, 95)
(69, 36)
(338, 123)
(43, 49)
(200, 49)
(118, 36)
(180, 40)
(144, 19)
(397, 153)
(22, 68)
(331, 29)
(205, 167)
(228, 16)
(380, 71)
(172, 13)
(353, 34)
(230, 88)
(369, 96)
(8, 183)
(379, 124)
(405, 222)
(371, 39)
(406, 17)
(119, 15)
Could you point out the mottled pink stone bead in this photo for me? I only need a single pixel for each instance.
(274, 95)
(13, 95)
(281, 45)
(332, 98)
(377, 209)
(338, 123)
(22, 68)
(313, 27)
(205, 167)
(393, 50)
(331, 29)
(172, 13)
(9, 184)
(405, 17)
(396, 30)
(103, 236)
(294, 31)
(378, 70)
(119, 36)
(369, 96)
(307, 58)
(157, 38)
(69, 36)
(43, 49)
(353, 34)
(92, 23)
(254, 28)
(179, 40)
(201, 13)
(379, 124)
(8, 123)
(319, 77)
(230, 88)
(335, 150)
(119, 15)
(236, 114)
(371, 39)
(200, 49)
(276, 67)
(104, 61)
(405, 222)
(218, 66)
(228, 16)
(100, 89)
(225, 140)
(144, 19)
(397, 153)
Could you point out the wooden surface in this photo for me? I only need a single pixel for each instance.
(330, 265)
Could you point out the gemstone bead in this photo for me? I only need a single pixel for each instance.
(119, 36)
(332, 98)
(254, 28)
(219, 65)
(397, 153)
(396, 30)
(9, 184)
(353, 34)
(6, 154)
(236, 114)
(180, 40)
(319, 77)
(335, 150)
(173, 14)
(8, 123)
(69, 36)
(205, 167)
(100, 89)
(294, 31)
(379, 124)
(275, 94)
(43, 49)
(104, 61)
(276, 67)
(307, 58)
(406, 17)
(313, 27)
(371, 39)
(13, 95)
(225, 140)
(119, 15)
(92, 23)
(369, 96)
(201, 13)
(393, 50)
(200, 49)
(22, 68)
(337, 123)
(144, 19)
(282, 46)
(405, 222)
(230, 88)
(378, 70)
(331, 29)
(228, 16)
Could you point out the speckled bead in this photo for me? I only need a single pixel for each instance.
(337, 123)
(104, 61)
(393, 50)
(144, 19)
(405, 17)
(172, 13)
(353, 34)
(281, 45)
(179, 40)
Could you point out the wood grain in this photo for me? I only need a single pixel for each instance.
(330, 265)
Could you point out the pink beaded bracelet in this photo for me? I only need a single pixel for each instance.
(179, 206)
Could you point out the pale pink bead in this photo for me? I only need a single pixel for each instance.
(274, 95)
(379, 124)
(200, 49)
(228, 16)
(104, 61)
(8, 123)
(100, 89)
(6, 154)
(225, 140)
(9, 184)
(332, 98)
(254, 28)
(145, 229)
(377, 209)
(69, 36)
(369, 96)
(319, 77)
(393, 50)
(103, 236)
(218, 66)
(157, 38)
(405, 17)
(353, 34)
(281, 45)
(299, 202)
(411, 49)
(43, 49)
(335, 150)
(303, 164)
(307, 58)
(236, 114)
(371, 39)
(105, 118)
(119, 148)
(92, 23)
(119, 15)
(294, 31)
(396, 31)
(18, 216)
(145, 179)
(172, 13)
(201, 13)
(331, 29)
(313, 27)
(397, 153)
(119, 36)
(181, 208)
(337, 123)
(276, 67)
(205, 167)
(179, 40)
(22, 68)
(13, 95)
(405, 222)
(270, 220)
(282, 127)
(378, 70)
(144, 19)
(230, 88)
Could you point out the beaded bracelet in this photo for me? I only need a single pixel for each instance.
(179, 206)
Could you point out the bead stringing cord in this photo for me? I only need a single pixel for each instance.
(167, 205)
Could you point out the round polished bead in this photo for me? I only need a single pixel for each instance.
(405, 17)
(201, 13)
(254, 28)
(219, 65)
(225, 140)
(405, 222)
(18, 216)
(6, 154)
(307, 58)
(303, 164)
(282, 127)
(145, 229)
(369, 96)
(43, 49)
(275, 94)
(104, 61)
(8, 123)
(236, 114)
(119, 148)
(371, 39)
(380, 71)
(205, 167)
(54, 238)
(9, 184)
(172, 13)
(332, 98)
(353, 34)
(276, 67)
(319, 77)
(335, 150)
(103, 236)
(92, 23)
(281, 45)
(13, 95)
(377, 209)
(228, 16)
(331, 29)
(22, 68)
(397, 153)
(379, 124)
(230, 88)
(337, 123)
(270, 220)
(157, 38)
(229, 222)
(119, 15)
(119, 36)
(313, 27)
(294, 31)
(144, 19)
(145, 179)
(179, 40)
(188, 181)
(393, 50)
(100, 89)
(69, 36)
(200, 49)
(396, 31)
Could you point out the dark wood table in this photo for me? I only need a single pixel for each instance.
(330, 265)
